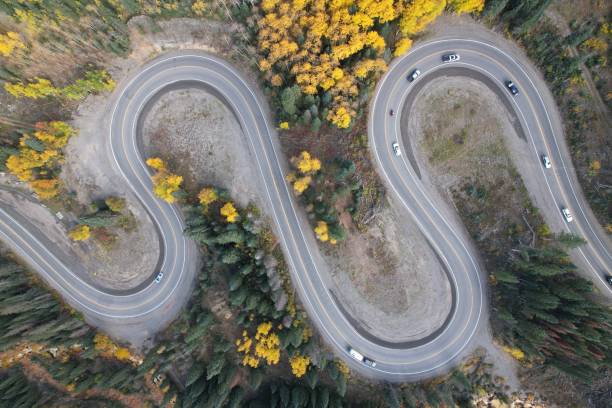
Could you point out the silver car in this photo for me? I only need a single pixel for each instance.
(159, 277)
(567, 214)
(396, 149)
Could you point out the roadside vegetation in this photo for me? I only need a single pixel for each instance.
(50, 357)
(243, 339)
(322, 190)
(319, 59)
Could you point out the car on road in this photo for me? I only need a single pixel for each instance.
(159, 277)
(450, 57)
(355, 354)
(414, 75)
(513, 89)
(369, 362)
(391, 112)
(361, 358)
(546, 162)
(396, 149)
(609, 279)
(567, 214)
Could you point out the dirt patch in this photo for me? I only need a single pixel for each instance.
(389, 279)
(467, 140)
(201, 140)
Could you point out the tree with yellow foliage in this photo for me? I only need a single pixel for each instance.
(165, 184)
(514, 352)
(466, 6)
(39, 88)
(322, 231)
(266, 346)
(310, 40)
(115, 204)
(301, 184)
(307, 164)
(80, 233)
(229, 212)
(418, 14)
(299, 365)
(39, 154)
(207, 196)
(107, 348)
(156, 163)
(93, 81)
(9, 42)
(402, 46)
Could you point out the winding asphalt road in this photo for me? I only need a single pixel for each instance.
(396, 361)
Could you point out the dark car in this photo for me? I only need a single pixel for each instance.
(513, 89)
(450, 57)
(609, 279)
(391, 113)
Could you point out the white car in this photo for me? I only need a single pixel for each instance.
(567, 214)
(546, 162)
(361, 358)
(414, 75)
(159, 277)
(396, 149)
(356, 355)
(369, 362)
(450, 57)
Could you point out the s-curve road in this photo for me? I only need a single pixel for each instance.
(149, 303)
(395, 361)
(552, 189)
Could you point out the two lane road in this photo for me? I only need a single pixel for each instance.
(142, 306)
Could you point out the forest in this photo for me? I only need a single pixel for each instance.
(243, 339)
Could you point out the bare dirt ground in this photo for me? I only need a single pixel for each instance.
(389, 279)
(202, 141)
(467, 140)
